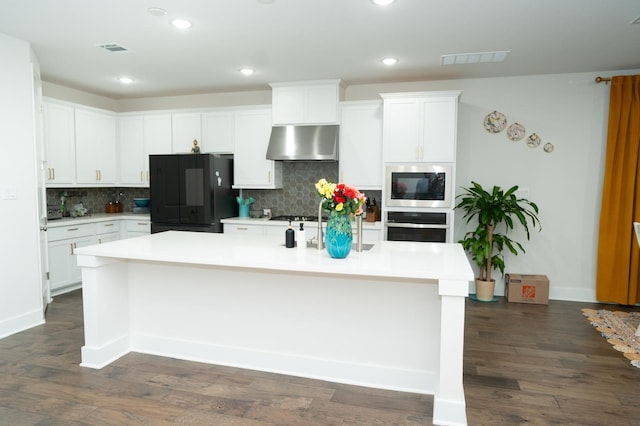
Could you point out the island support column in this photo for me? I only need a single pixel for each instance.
(105, 296)
(449, 407)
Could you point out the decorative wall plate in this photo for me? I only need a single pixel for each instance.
(516, 132)
(548, 147)
(533, 140)
(495, 122)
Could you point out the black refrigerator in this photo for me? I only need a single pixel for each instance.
(191, 192)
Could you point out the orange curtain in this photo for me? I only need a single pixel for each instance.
(618, 278)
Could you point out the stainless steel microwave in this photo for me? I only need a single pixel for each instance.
(418, 185)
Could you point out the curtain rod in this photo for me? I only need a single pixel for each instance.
(602, 80)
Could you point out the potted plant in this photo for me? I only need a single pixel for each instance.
(496, 213)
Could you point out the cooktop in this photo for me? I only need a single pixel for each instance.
(298, 218)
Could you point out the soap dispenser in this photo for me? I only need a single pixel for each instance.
(302, 238)
(289, 237)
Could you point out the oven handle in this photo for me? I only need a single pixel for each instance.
(415, 225)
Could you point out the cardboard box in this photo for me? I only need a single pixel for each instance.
(521, 288)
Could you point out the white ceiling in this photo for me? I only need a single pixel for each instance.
(290, 40)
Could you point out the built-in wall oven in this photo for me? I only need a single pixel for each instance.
(419, 226)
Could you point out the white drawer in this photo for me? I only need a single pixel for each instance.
(232, 228)
(138, 226)
(107, 227)
(71, 231)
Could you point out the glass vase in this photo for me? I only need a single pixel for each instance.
(338, 237)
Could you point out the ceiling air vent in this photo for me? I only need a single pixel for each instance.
(113, 47)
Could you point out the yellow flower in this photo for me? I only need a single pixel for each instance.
(339, 207)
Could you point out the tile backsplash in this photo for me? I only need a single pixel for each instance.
(95, 199)
(298, 195)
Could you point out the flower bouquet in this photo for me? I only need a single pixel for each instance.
(343, 202)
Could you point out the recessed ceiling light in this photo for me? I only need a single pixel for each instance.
(389, 61)
(181, 24)
(125, 80)
(157, 11)
(247, 71)
(382, 2)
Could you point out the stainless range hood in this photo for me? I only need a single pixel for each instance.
(304, 143)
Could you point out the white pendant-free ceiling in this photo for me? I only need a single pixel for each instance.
(292, 40)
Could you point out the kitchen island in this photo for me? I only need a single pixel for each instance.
(391, 317)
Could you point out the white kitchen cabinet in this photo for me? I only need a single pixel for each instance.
(139, 137)
(420, 127)
(361, 144)
(310, 102)
(107, 231)
(131, 150)
(59, 139)
(219, 131)
(63, 269)
(95, 147)
(186, 127)
(136, 228)
(244, 228)
(251, 168)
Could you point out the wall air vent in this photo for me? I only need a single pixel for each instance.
(113, 47)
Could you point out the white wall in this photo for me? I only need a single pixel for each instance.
(568, 110)
(20, 302)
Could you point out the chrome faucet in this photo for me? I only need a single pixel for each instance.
(320, 244)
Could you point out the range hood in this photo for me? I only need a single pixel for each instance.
(304, 143)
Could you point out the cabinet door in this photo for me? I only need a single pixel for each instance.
(130, 140)
(157, 139)
(289, 105)
(401, 130)
(60, 271)
(218, 131)
(59, 138)
(185, 129)
(251, 168)
(439, 130)
(76, 271)
(63, 266)
(95, 147)
(105, 238)
(322, 104)
(361, 145)
(309, 103)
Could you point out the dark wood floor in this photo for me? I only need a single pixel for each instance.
(523, 364)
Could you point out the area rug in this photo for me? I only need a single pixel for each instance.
(619, 329)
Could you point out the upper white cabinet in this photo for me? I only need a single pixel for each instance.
(186, 127)
(361, 144)
(130, 142)
(219, 131)
(139, 137)
(95, 147)
(251, 168)
(309, 102)
(420, 127)
(59, 138)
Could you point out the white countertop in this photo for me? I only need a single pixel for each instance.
(95, 217)
(385, 259)
(267, 222)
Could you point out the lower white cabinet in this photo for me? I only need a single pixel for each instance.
(107, 231)
(64, 273)
(135, 228)
(63, 268)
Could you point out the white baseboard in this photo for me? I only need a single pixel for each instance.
(21, 322)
